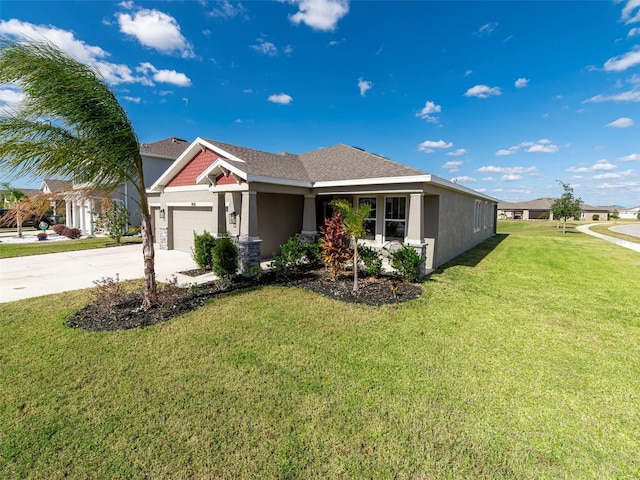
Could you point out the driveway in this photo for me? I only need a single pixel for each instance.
(33, 276)
(632, 229)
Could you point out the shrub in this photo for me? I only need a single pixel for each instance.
(335, 245)
(295, 254)
(58, 228)
(42, 235)
(544, 216)
(134, 230)
(113, 218)
(171, 293)
(371, 259)
(108, 293)
(407, 262)
(71, 233)
(202, 247)
(224, 258)
(596, 217)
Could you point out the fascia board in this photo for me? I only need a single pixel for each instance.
(460, 188)
(221, 163)
(278, 181)
(177, 165)
(373, 181)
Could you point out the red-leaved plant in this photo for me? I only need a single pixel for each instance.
(335, 245)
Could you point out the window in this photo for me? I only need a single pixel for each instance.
(370, 222)
(395, 218)
(477, 215)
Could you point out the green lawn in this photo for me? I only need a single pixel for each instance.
(8, 250)
(521, 360)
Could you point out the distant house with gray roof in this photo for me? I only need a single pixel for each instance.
(540, 209)
(262, 199)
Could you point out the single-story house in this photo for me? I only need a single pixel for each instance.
(156, 158)
(262, 199)
(540, 209)
(629, 213)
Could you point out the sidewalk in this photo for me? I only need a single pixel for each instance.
(617, 241)
(33, 276)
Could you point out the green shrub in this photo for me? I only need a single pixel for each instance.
(294, 254)
(202, 247)
(133, 230)
(544, 216)
(224, 258)
(371, 259)
(596, 217)
(407, 262)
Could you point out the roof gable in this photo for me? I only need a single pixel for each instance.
(192, 170)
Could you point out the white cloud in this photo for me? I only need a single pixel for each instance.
(622, 122)
(628, 96)
(488, 179)
(509, 174)
(634, 157)
(10, 99)
(157, 30)
(464, 178)
(623, 62)
(164, 76)
(487, 28)
(335, 43)
(319, 14)
(428, 145)
(113, 73)
(522, 82)
(428, 110)
(613, 176)
(225, 10)
(281, 98)
(264, 47)
(453, 166)
(364, 86)
(132, 99)
(634, 32)
(468, 72)
(483, 91)
(457, 152)
(627, 12)
(600, 166)
(539, 146)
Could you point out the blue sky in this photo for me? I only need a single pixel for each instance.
(506, 98)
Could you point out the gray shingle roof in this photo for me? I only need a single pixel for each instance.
(58, 185)
(341, 162)
(265, 164)
(171, 147)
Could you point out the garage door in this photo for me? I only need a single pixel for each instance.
(186, 221)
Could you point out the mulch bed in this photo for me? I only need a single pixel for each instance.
(177, 301)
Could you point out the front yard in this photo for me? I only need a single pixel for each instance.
(520, 360)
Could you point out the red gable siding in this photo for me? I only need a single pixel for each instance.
(227, 180)
(193, 169)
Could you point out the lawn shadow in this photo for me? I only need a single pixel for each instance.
(474, 256)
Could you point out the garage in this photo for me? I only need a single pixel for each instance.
(186, 221)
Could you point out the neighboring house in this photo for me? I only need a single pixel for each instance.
(540, 209)
(262, 199)
(56, 188)
(629, 213)
(156, 158)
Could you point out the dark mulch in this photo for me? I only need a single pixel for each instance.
(177, 301)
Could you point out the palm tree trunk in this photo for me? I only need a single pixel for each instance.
(150, 293)
(19, 224)
(355, 264)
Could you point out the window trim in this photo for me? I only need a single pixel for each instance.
(404, 220)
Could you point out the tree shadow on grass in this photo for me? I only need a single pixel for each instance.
(474, 256)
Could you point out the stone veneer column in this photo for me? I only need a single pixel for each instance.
(249, 240)
(309, 225)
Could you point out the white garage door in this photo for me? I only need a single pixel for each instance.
(188, 220)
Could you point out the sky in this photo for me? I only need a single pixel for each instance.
(506, 98)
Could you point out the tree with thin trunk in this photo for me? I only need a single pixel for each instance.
(70, 124)
(353, 220)
(567, 206)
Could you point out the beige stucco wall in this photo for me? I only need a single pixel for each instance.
(455, 232)
(279, 218)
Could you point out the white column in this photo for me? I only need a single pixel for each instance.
(68, 215)
(249, 216)
(415, 221)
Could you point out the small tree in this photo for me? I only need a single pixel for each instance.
(20, 210)
(113, 219)
(202, 249)
(353, 221)
(224, 258)
(566, 206)
(614, 216)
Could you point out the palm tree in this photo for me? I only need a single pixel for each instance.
(71, 125)
(353, 221)
(11, 198)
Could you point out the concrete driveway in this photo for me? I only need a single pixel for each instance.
(33, 276)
